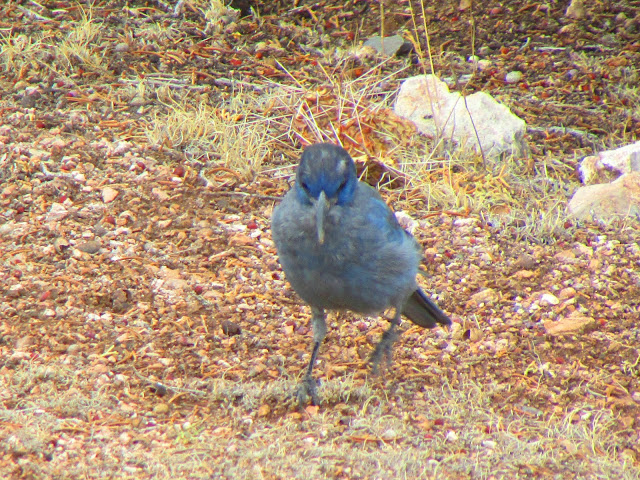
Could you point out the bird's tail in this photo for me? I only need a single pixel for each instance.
(422, 311)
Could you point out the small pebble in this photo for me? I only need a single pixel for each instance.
(513, 77)
(91, 247)
(161, 408)
(109, 194)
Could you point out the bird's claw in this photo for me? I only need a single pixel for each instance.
(306, 390)
(383, 350)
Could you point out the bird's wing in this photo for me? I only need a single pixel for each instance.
(378, 214)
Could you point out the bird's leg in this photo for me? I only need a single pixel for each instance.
(308, 387)
(384, 347)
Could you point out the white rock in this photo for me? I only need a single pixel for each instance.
(436, 112)
(451, 436)
(78, 177)
(56, 213)
(622, 160)
(109, 194)
(513, 77)
(549, 299)
(608, 201)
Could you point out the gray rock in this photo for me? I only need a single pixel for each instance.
(91, 247)
(608, 201)
(599, 168)
(438, 113)
(393, 45)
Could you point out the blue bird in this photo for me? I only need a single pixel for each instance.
(342, 248)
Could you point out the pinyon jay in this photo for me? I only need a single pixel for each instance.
(342, 248)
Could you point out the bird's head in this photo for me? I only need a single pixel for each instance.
(325, 177)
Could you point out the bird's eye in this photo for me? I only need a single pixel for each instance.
(343, 184)
(305, 186)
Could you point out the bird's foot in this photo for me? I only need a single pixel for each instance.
(383, 350)
(306, 390)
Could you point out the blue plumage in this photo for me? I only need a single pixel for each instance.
(342, 248)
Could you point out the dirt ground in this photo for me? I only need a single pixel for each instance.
(146, 328)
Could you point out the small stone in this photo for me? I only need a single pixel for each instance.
(566, 293)
(230, 328)
(161, 409)
(264, 410)
(475, 335)
(526, 261)
(60, 244)
(15, 291)
(576, 323)
(120, 148)
(513, 77)
(486, 296)
(524, 274)
(160, 194)
(393, 45)
(451, 436)
(121, 47)
(91, 247)
(549, 299)
(109, 194)
(24, 342)
(484, 64)
(56, 213)
(312, 410)
(566, 256)
(576, 10)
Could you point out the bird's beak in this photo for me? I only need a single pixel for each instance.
(322, 207)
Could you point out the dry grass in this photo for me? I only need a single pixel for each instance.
(17, 51)
(451, 432)
(78, 45)
(231, 137)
